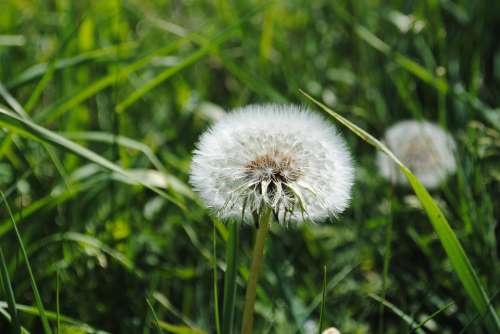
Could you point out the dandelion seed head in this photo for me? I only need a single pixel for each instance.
(280, 156)
(424, 147)
(310, 327)
(331, 330)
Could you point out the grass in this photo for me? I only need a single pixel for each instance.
(445, 233)
(101, 103)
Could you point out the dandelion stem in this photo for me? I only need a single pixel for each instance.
(257, 256)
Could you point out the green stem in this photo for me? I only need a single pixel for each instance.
(257, 256)
(230, 278)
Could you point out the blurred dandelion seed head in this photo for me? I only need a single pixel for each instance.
(424, 147)
(310, 327)
(280, 156)
(331, 330)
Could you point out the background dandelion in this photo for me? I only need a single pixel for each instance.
(427, 149)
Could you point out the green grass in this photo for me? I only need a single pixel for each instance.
(101, 103)
(459, 260)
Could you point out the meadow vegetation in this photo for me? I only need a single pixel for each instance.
(102, 102)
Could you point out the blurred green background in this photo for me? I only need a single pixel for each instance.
(137, 81)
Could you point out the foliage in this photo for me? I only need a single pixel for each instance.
(103, 101)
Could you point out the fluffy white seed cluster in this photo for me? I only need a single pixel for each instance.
(331, 330)
(280, 156)
(424, 147)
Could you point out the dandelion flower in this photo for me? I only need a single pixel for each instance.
(310, 327)
(425, 148)
(280, 156)
(331, 330)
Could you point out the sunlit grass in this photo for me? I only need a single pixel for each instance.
(101, 103)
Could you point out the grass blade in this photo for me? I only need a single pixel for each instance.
(164, 302)
(216, 290)
(16, 106)
(333, 283)
(31, 310)
(31, 130)
(9, 292)
(39, 70)
(47, 202)
(89, 91)
(88, 241)
(58, 309)
(454, 250)
(38, 299)
(432, 316)
(179, 329)
(230, 276)
(103, 137)
(154, 316)
(323, 300)
(49, 73)
(406, 318)
(408, 64)
(385, 273)
(197, 55)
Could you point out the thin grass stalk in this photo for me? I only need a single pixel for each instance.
(257, 258)
(58, 305)
(155, 317)
(9, 294)
(38, 299)
(230, 279)
(387, 259)
(215, 287)
(323, 301)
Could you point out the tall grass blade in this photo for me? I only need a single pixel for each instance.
(228, 308)
(31, 310)
(38, 299)
(58, 308)
(432, 316)
(164, 75)
(49, 73)
(207, 47)
(323, 300)
(216, 289)
(403, 61)
(9, 293)
(31, 130)
(454, 250)
(164, 302)
(88, 241)
(406, 318)
(179, 329)
(39, 70)
(334, 282)
(49, 201)
(112, 78)
(157, 321)
(104, 137)
(16, 106)
(385, 273)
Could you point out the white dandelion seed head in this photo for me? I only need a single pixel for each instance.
(310, 327)
(331, 330)
(425, 148)
(280, 156)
